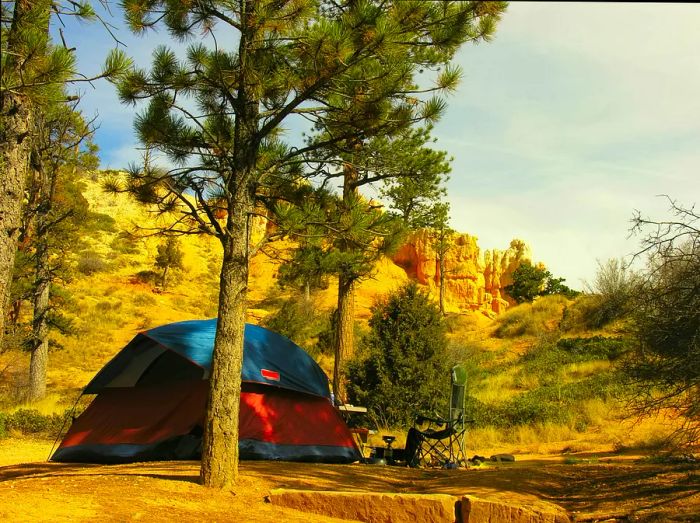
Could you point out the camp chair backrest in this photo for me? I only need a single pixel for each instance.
(442, 445)
(458, 394)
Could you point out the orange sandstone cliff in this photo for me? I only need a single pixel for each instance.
(474, 281)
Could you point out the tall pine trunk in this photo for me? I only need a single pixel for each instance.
(40, 329)
(441, 264)
(220, 444)
(345, 333)
(14, 158)
(39, 360)
(221, 427)
(345, 325)
(28, 16)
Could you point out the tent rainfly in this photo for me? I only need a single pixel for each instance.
(151, 398)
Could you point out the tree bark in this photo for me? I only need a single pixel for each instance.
(14, 158)
(345, 326)
(220, 443)
(221, 427)
(15, 139)
(441, 264)
(40, 330)
(345, 334)
(39, 360)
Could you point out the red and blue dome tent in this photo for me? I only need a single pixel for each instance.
(151, 398)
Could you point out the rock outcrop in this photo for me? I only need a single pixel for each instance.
(473, 281)
(376, 507)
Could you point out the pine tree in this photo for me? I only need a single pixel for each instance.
(531, 281)
(169, 257)
(56, 153)
(382, 95)
(437, 219)
(403, 370)
(24, 50)
(216, 117)
(417, 194)
(419, 182)
(308, 269)
(31, 69)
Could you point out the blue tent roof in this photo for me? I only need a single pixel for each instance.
(268, 357)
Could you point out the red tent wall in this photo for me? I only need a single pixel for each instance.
(164, 422)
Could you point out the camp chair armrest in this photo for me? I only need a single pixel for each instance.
(422, 419)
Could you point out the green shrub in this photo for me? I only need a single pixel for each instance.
(30, 421)
(3, 427)
(402, 370)
(108, 306)
(547, 360)
(91, 263)
(581, 314)
(531, 281)
(144, 300)
(148, 276)
(125, 243)
(559, 403)
(531, 407)
(479, 414)
(100, 222)
(532, 319)
(169, 259)
(594, 348)
(610, 297)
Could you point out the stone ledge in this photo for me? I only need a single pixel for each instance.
(478, 510)
(370, 507)
(414, 508)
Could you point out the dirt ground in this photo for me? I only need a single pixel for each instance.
(591, 487)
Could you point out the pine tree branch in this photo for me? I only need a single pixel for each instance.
(221, 16)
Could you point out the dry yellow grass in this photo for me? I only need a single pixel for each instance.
(112, 306)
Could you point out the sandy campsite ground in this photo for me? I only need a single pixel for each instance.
(599, 487)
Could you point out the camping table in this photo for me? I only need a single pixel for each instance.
(359, 433)
(352, 408)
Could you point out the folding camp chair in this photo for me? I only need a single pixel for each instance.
(441, 443)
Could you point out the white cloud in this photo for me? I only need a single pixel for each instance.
(575, 116)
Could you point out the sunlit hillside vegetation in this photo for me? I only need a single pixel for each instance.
(540, 373)
(115, 291)
(541, 380)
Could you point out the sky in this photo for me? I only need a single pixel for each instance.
(572, 118)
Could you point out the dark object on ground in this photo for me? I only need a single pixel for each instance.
(503, 458)
(441, 444)
(398, 456)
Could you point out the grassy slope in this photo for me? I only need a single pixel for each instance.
(112, 304)
(517, 367)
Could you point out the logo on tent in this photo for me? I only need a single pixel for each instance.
(270, 374)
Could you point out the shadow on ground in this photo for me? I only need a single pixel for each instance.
(590, 490)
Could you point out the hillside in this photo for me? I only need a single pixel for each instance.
(113, 292)
(529, 385)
